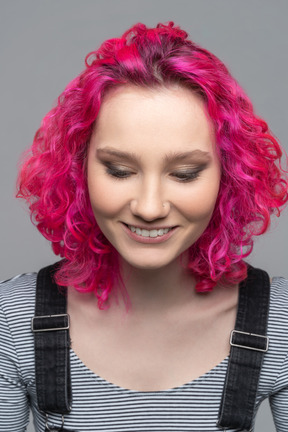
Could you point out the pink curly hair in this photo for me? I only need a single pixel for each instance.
(53, 176)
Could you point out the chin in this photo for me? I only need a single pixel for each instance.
(148, 264)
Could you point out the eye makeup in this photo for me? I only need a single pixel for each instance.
(116, 172)
(183, 176)
(187, 176)
(183, 167)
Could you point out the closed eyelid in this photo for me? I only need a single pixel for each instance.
(117, 166)
(189, 166)
(182, 169)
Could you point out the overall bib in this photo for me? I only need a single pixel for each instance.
(248, 343)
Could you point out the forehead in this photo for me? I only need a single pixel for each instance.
(164, 117)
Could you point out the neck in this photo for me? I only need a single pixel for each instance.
(157, 290)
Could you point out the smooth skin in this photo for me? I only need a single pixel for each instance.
(152, 163)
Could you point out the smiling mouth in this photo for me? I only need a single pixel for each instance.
(149, 233)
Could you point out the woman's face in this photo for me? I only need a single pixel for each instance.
(153, 173)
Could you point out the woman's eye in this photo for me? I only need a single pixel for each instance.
(181, 176)
(186, 176)
(119, 174)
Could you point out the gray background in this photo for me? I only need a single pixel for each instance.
(43, 44)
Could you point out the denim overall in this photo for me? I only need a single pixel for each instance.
(248, 343)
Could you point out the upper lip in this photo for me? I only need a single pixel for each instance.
(150, 228)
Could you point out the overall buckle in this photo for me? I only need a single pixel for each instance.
(252, 337)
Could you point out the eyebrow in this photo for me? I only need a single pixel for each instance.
(197, 155)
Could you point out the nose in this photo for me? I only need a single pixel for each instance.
(148, 202)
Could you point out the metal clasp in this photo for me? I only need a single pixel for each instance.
(50, 329)
(249, 334)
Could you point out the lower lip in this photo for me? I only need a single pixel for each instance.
(141, 239)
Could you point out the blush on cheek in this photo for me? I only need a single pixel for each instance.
(102, 205)
(201, 204)
(198, 209)
(103, 199)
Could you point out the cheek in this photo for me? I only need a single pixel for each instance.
(106, 198)
(198, 203)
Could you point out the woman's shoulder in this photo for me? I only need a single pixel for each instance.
(278, 310)
(22, 283)
(17, 308)
(279, 293)
(277, 332)
(17, 295)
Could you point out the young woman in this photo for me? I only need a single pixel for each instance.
(150, 177)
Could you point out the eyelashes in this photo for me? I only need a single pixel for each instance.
(183, 176)
(119, 174)
(186, 176)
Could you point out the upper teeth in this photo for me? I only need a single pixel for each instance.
(149, 233)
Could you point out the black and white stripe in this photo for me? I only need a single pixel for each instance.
(102, 406)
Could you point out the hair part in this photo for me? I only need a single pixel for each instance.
(52, 178)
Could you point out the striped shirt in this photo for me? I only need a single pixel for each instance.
(99, 405)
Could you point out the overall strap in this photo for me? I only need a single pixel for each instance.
(52, 345)
(248, 344)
